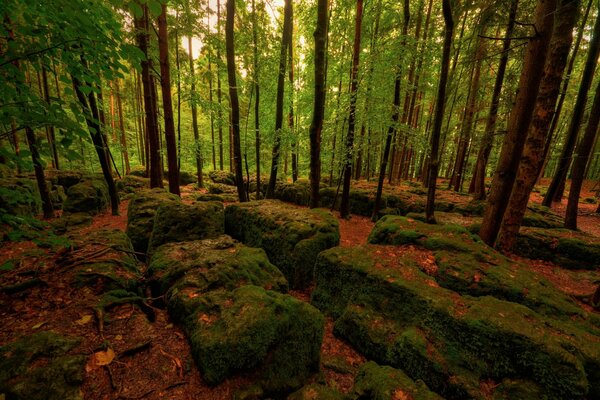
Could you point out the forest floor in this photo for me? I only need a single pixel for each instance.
(133, 358)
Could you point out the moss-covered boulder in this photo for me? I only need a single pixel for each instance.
(184, 271)
(140, 215)
(20, 196)
(181, 222)
(570, 249)
(90, 195)
(69, 221)
(538, 216)
(272, 335)
(39, 367)
(221, 188)
(132, 184)
(292, 237)
(377, 382)
(64, 178)
(398, 315)
(223, 177)
(316, 392)
(187, 178)
(297, 193)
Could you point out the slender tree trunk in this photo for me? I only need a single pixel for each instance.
(581, 158)
(285, 41)
(439, 112)
(178, 66)
(533, 151)
(122, 128)
(555, 191)
(52, 134)
(165, 84)
(212, 119)
(518, 124)
(38, 168)
(197, 145)
(233, 99)
(256, 100)
(219, 95)
(316, 125)
(291, 112)
(349, 150)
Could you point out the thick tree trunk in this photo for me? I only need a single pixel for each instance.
(233, 99)
(520, 118)
(533, 151)
(123, 137)
(152, 137)
(582, 156)
(38, 168)
(316, 125)
(349, 150)
(556, 188)
(285, 41)
(197, 145)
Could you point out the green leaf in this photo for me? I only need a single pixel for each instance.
(155, 8)
(7, 266)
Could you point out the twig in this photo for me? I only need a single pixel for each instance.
(135, 349)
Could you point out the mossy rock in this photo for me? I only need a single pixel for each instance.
(182, 222)
(140, 215)
(223, 177)
(38, 367)
(90, 195)
(297, 193)
(273, 335)
(315, 391)
(397, 315)
(187, 178)
(57, 196)
(64, 178)
(221, 188)
(472, 208)
(463, 263)
(386, 383)
(185, 271)
(569, 249)
(132, 184)
(114, 269)
(20, 196)
(68, 221)
(291, 237)
(210, 197)
(138, 171)
(538, 216)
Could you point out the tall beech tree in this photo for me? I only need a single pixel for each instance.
(256, 74)
(533, 151)
(518, 124)
(233, 99)
(316, 125)
(555, 190)
(439, 113)
(285, 42)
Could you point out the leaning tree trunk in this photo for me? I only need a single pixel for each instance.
(233, 99)
(518, 124)
(439, 113)
(556, 188)
(285, 41)
(316, 125)
(349, 150)
(165, 84)
(582, 156)
(533, 151)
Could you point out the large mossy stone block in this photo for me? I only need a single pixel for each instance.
(185, 271)
(140, 215)
(460, 261)
(20, 196)
(38, 367)
(181, 222)
(132, 184)
(90, 195)
(386, 383)
(291, 236)
(297, 193)
(274, 336)
(396, 314)
(64, 178)
(222, 177)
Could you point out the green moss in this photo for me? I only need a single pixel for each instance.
(140, 215)
(251, 329)
(297, 193)
(221, 188)
(90, 195)
(316, 392)
(68, 221)
(541, 217)
(20, 196)
(37, 367)
(210, 197)
(176, 222)
(223, 177)
(386, 383)
(132, 184)
(291, 237)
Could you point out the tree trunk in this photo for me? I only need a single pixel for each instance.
(533, 151)
(219, 95)
(316, 125)
(582, 156)
(52, 135)
(38, 167)
(285, 41)
(153, 140)
(520, 118)
(197, 146)
(233, 99)
(256, 100)
(122, 128)
(439, 112)
(555, 192)
(349, 150)
(291, 112)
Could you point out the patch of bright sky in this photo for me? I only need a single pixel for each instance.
(273, 7)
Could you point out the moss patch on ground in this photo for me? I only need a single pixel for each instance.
(291, 237)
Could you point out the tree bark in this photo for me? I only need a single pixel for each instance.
(439, 112)
(123, 136)
(533, 151)
(316, 125)
(285, 42)
(197, 145)
(256, 99)
(52, 135)
(555, 192)
(520, 118)
(349, 150)
(219, 93)
(233, 99)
